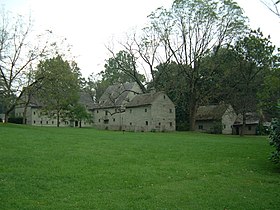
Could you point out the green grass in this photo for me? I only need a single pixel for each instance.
(67, 168)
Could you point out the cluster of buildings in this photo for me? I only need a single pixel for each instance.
(125, 107)
(121, 107)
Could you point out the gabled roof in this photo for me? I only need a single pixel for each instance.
(86, 99)
(211, 112)
(143, 99)
(115, 95)
(252, 118)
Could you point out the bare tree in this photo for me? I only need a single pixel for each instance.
(19, 49)
(273, 6)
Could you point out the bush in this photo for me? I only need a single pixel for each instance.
(217, 128)
(275, 137)
(275, 141)
(16, 120)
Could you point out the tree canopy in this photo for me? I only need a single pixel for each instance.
(189, 31)
(59, 90)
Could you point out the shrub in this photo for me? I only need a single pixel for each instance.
(275, 141)
(217, 128)
(16, 120)
(275, 138)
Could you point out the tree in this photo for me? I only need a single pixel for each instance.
(59, 90)
(273, 6)
(192, 29)
(122, 68)
(170, 80)
(269, 93)
(78, 112)
(19, 49)
(251, 60)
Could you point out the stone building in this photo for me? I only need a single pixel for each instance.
(125, 107)
(215, 119)
(35, 114)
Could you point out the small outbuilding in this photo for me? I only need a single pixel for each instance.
(215, 119)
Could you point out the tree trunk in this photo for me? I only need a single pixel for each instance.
(243, 124)
(7, 113)
(24, 114)
(57, 119)
(192, 111)
(6, 117)
(24, 120)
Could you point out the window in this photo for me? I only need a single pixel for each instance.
(249, 128)
(147, 123)
(97, 111)
(159, 124)
(99, 120)
(170, 111)
(163, 96)
(34, 113)
(41, 122)
(171, 124)
(34, 122)
(130, 123)
(200, 127)
(106, 121)
(146, 110)
(130, 111)
(47, 122)
(106, 112)
(114, 119)
(52, 122)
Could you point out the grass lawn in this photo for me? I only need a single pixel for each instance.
(68, 168)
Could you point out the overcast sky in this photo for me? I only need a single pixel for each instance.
(89, 25)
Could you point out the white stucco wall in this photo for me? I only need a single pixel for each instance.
(228, 120)
(36, 117)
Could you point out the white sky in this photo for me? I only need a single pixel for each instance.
(89, 25)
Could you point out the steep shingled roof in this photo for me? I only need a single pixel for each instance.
(143, 99)
(84, 99)
(211, 112)
(115, 95)
(252, 118)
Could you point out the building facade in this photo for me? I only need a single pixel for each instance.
(215, 119)
(34, 114)
(125, 107)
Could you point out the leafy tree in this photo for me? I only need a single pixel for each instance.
(189, 31)
(122, 68)
(78, 112)
(250, 60)
(60, 87)
(170, 80)
(269, 93)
